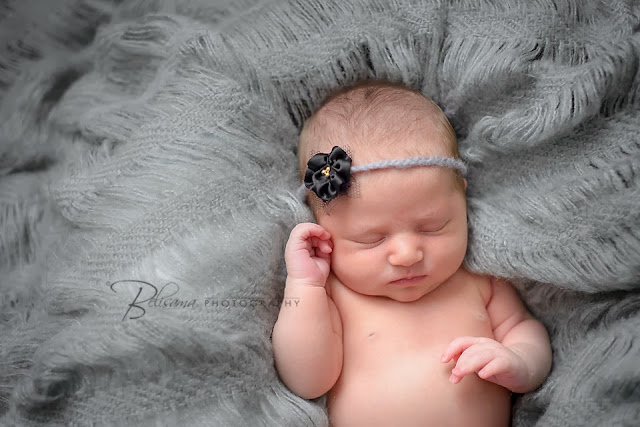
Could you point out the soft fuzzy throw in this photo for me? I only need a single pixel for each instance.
(148, 178)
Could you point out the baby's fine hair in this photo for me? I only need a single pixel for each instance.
(374, 110)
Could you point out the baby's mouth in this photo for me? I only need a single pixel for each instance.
(408, 280)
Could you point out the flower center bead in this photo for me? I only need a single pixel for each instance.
(326, 171)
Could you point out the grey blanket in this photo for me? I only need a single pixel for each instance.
(148, 177)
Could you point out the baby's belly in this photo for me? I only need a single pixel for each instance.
(413, 390)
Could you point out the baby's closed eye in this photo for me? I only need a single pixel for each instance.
(433, 227)
(369, 240)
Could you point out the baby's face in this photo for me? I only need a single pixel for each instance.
(403, 224)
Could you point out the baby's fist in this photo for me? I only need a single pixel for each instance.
(307, 254)
(489, 359)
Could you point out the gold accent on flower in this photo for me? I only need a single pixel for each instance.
(326, 171)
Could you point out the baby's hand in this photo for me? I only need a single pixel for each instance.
(488, 358)
(307, 254)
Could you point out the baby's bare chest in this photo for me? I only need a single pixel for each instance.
(386, 326)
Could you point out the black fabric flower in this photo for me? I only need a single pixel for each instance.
(328, 174)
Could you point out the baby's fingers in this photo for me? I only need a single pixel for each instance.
(307, 229)
(471, 361)
(458, 346)
(495, 367)
(324, 245)
(303, 234)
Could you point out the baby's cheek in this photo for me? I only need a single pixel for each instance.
(446, 251)
(347, 263)
(337, 256)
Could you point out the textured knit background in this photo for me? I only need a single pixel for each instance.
(154, 141)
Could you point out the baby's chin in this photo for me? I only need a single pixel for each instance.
(403, 295)
(406, 297)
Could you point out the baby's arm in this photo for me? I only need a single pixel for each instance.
(307, 337)
(520, 356)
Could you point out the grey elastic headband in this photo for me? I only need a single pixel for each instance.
(445, 162)
(328, 174)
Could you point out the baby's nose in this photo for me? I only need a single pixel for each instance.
(406, 251)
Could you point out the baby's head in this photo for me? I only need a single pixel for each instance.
(377, 120)
(393, 223)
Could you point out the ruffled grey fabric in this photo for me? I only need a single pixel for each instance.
(151, 144)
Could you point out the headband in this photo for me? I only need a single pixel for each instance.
(328, 174)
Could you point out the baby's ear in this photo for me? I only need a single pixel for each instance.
(465, 183)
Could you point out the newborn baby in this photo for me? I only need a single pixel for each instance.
(388, 321)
